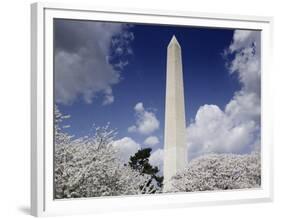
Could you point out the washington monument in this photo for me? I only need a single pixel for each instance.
(175, 151)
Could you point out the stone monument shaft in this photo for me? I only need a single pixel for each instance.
(175, 152)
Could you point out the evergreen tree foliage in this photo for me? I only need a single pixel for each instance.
(140, 162)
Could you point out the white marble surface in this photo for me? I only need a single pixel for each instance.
(175, 153)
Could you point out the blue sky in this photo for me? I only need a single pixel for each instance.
(131, 69)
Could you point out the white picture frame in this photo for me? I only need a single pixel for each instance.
(42, 202)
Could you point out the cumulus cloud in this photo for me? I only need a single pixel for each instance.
(246, 63)
(88, 61)
(236, 128)
(151, 141)
(156, 159)
(139, 107)
(146, 121)
(215, 131)
(126, 147)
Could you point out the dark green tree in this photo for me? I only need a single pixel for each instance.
(140, 162)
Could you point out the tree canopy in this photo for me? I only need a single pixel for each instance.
(89, 166)
(140, 162)
(219, 172)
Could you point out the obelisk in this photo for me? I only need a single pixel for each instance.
(175, 152)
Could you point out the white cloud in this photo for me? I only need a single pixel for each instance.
(126, 147)
(244, 106)
(132, 128)
(146, 122)
(156, 159)
(86, 60)
(246, 63)
(108, 98)
(151, 141)
(243, 39)
(215, 131)
(235, 129)
(139, 107)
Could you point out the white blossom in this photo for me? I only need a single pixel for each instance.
(219, 172)
(89, 167)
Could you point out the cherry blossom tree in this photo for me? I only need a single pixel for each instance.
(219, 172)
(89, 166)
